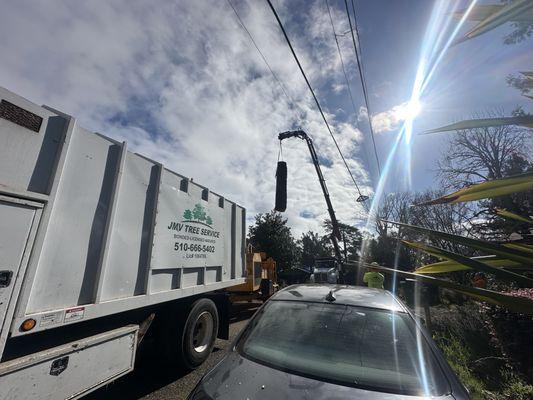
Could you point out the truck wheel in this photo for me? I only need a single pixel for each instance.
(199, 333)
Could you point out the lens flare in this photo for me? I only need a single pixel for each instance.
(412, 109)
(434, 47)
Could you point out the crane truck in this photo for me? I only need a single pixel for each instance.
(326, 270)
(98, 246)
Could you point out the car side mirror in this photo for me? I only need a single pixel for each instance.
(281, 187)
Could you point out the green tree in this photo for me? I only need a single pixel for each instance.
(312, 245)
(187, 214)
(208, 220)
(387, 251)
(350, 242)
(271, 234)
(198, 212)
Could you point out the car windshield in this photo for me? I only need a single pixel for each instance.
(368, 348)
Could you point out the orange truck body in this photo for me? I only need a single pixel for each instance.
(258, 266)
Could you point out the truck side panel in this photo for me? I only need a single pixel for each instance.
(28, 156)
(69, 260)
(131, 237)
(119, 231)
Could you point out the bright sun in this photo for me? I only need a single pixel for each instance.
(412, 109)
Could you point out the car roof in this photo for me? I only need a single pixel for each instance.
(344, 294)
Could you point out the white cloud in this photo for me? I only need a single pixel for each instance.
(339, 87)
(391, 119)
(182, 84)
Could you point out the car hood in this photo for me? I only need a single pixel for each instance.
(236, 377)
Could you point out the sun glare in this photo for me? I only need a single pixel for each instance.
(412, 109)
(434, 48)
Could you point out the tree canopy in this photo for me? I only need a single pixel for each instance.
(271, 234)
(311, 245)
(351, 239)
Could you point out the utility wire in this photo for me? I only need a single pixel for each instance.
(281, 84)
(343, 67)
(313, 93)
(361, 76)
(340, 56)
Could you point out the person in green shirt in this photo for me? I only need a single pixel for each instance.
(373, 278)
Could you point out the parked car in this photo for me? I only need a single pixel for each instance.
(332, 342)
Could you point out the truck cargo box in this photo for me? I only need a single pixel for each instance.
(88, 228)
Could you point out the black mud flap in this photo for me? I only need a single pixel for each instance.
(223, 304)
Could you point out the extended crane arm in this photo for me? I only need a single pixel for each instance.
(336, 234)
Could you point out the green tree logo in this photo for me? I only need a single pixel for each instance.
(187, 215)
(198, 213)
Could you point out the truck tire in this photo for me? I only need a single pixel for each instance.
(199, 333)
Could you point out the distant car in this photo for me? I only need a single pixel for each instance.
(324, 275)
(332, 342)
(325, 271)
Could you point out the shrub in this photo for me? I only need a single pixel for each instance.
(513, 331)
(458, 357)
(514, 388)
(473, 348)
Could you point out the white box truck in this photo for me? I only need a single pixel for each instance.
(96, 242)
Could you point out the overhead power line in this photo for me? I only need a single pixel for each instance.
(340, 56)
(313, 93)
(362, 77)
(343, 67)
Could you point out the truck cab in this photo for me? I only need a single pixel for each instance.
(325, 270)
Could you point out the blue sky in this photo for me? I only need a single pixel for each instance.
(469, 79)
(182, 83)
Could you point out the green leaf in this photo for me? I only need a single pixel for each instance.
(511, 251)
(489, 189)
(509, 215)
(510, 11)
(478, 12)
(526, 248)
(469, 262)
(526, 121)
(517, 304)
(447, 266)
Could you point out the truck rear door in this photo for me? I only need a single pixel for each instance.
(17, 218)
